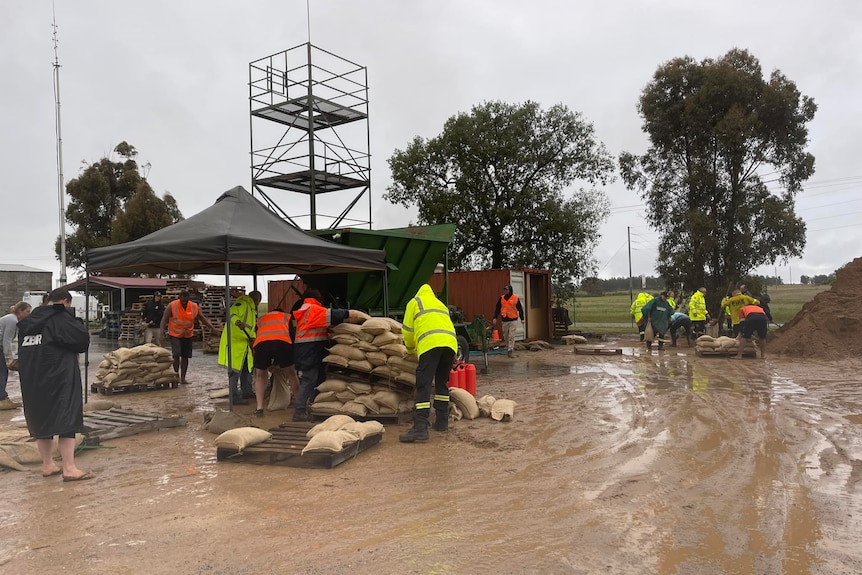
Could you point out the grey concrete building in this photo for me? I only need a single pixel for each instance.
(16, 279)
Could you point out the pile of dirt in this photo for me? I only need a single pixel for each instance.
(830, 325)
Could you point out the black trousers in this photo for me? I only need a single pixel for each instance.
(434, 367)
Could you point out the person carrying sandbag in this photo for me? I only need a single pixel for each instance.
(657, 313)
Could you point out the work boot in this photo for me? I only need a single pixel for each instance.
(7, 403)
(511, 353)
(441, 421)
(660, 345)
(419, 431)
(649, 346)
(300, 416)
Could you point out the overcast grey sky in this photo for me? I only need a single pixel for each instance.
(170, 77)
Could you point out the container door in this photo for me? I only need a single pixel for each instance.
(516, 280)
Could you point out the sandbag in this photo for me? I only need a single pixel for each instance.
(649, 334)
(363, 365)
(376, 326)
(360, 317)
(327, 407)
(406, 377)
(358, 387)
(705, 338)
(352, 329)
(386, 338)
(376, 358)
(348, 351)
(345, 338)
(327, 442)
(100, 405)
(503, 410)
(362, 429)
(339, 360)
(385, 371)
(332, 384)
(241, 437)
(354, 408)
(388, 399)
(280, 395)
(369, 402)
(465, 402)
(401, 364)
(398, 349)
(220, 421)
(485, 403)
(333, 423)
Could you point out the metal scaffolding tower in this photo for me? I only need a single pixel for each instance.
(310, 135)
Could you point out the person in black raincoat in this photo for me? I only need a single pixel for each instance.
(49, 341)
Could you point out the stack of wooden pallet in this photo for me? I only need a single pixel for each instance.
(130, 323)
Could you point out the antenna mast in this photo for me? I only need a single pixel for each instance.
(61, 192)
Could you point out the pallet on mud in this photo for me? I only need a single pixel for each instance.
(113, 423)
(591, 350)
(746, 353)
(110, 390)
(285, 448)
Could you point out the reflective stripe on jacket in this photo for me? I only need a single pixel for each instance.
(312, 320)
(697, 307)
(182, 321)
(508, 308)
(273, 326)
(427, 324)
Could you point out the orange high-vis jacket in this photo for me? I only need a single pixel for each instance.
(312, 320)
(182, 321)
(273, 326)
(509, 308)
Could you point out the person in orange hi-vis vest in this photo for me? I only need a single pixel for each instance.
(309, 347)
(179, 320)
(509, 310)
(273, 349)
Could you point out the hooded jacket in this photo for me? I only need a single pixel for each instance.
(50, 340)
(427, 324)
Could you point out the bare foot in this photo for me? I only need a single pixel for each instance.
(51, 471)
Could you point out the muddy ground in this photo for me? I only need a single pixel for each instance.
(664, 463)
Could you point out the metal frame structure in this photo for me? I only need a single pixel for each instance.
(310, 135)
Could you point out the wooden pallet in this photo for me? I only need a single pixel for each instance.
(103, 425)
(285, 448)
(589, 350)
(105, 390)
(403, 417)
(350, 374)
(746, 353)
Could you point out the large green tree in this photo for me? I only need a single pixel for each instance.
(719, 132)
(112, 203)
(502, 174)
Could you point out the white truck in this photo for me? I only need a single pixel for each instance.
(79, 303)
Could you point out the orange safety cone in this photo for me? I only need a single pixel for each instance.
(495, 336)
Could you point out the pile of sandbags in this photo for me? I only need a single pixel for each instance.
(708, 345)
(146, 364)
(374, 346)
(462, 404)
(338, 431)
(358, 399)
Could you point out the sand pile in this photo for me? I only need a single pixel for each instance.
(830, 325)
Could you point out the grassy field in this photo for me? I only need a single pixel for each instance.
(613, 308)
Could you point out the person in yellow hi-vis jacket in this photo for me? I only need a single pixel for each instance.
(637, 315)
(429, 334)
(243, 318)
